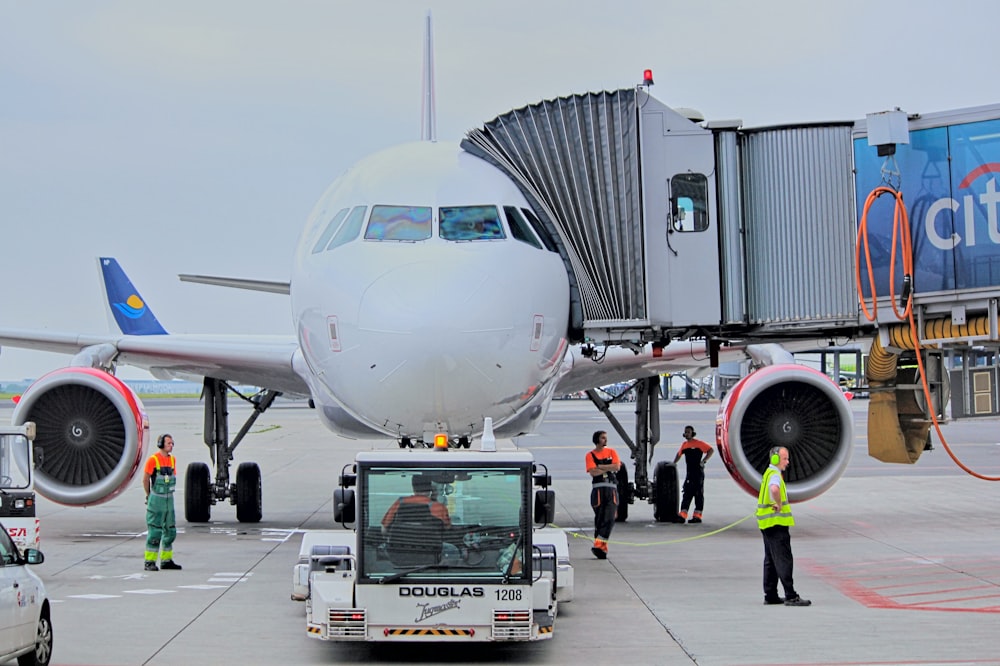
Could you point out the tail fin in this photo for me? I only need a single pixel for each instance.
(428, 130)
(125, 304)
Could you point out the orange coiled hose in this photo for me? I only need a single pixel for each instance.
(901, 229)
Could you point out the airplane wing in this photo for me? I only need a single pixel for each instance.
(264, 361)
(617, 364)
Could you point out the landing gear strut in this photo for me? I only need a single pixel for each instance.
(662, 490)
(199, 491)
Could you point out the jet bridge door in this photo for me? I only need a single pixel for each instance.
(681, 223)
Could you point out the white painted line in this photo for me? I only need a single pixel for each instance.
(203, 587)
(93, 596)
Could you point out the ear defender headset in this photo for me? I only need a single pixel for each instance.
(775, 456)
(691, 428)
(161, 440)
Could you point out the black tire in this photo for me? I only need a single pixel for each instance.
(249, 495)
(42, 653)
(665, 503)
(198, 493)
(624, 494)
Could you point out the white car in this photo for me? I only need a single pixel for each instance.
(25, 619)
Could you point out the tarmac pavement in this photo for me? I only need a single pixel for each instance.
(902, 564)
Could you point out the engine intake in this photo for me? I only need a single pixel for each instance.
(791, 406)
(91, 438)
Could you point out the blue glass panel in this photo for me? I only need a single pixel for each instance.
(399, 223)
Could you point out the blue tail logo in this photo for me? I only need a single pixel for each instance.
(130, 311)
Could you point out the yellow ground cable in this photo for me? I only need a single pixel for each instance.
(614, 542)
(880, 366)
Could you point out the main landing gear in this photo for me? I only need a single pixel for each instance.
(200, 493)
(662, 491)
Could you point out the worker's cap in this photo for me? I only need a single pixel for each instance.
(421, 483)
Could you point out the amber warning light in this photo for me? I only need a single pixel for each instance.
(647, 77)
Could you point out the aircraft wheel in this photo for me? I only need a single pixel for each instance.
(249, 496)
(197, 493)
(665, 492)
(624, 494)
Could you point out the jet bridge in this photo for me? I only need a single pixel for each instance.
(670, 229)
(674, 228)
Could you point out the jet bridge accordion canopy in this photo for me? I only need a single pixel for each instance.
(579, 160)
(576, 158)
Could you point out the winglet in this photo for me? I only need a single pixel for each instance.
(125, 304)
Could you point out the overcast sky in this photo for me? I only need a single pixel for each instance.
(195, 136)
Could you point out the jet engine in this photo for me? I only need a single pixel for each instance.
(91, 434)
(791, 406)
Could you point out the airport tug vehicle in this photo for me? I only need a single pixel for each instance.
(17, 484)
(445, 544)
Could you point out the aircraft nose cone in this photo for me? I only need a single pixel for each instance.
(441, 352)
(422, 298)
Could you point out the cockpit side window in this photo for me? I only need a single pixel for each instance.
(519, 227)
(349, 231)
(399, 223)
(539, 228)
(470, 223)
(331, 228)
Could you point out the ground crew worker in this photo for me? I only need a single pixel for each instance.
(694, 482)
(423, 488)
(774, 517)
(603, 465)
(159, 480)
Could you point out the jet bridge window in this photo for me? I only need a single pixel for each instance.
(331, 228)
(689, 202)
(519, 227)
(350, 229)
(470, 223)
(399, 223)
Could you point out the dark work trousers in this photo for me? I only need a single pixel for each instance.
(604, 500)
(694, 487)
(778, 562)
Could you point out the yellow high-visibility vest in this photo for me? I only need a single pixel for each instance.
(766, 516)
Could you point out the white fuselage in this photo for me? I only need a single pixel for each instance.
(411, 325)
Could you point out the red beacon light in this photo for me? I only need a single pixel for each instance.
(647, 77)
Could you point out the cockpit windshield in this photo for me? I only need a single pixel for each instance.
(470, 223)
(417, 223)
(443, 522)
(399, 223)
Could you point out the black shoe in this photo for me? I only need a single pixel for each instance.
(598, 553)
(774, 602)
(798, 601)
(151, 566)
(170, 564)
(695, 520)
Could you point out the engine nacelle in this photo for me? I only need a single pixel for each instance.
(92, 433)
(791, 406)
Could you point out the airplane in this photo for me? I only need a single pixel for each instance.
(426, 298)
